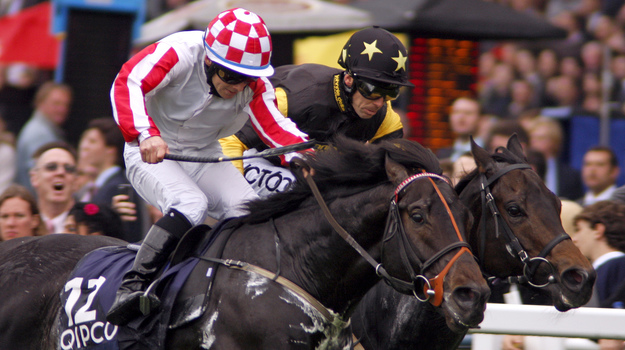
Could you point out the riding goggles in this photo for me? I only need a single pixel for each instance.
(374, 91)
(231, 77)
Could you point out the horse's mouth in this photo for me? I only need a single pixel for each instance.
(458, 325)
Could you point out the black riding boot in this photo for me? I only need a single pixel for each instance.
(158, 244)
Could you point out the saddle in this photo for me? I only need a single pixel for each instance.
(90, 291)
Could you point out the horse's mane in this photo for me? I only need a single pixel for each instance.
(501, 155)
(345, 167)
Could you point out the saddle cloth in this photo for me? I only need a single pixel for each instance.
(90, 291)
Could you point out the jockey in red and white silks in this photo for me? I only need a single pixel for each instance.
(163, 91)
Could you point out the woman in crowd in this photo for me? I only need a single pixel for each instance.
(19, 215)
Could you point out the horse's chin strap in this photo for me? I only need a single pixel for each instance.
(431, 287)
(513, 246)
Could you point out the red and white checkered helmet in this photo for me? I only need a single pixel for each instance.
(239, 40)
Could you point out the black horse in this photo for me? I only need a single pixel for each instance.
(517, 235)
(419, 249)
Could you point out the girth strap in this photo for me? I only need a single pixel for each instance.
(240, 265)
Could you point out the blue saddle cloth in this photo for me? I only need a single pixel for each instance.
(90, 291)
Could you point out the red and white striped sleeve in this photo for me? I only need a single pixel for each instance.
(273, 128)
(137, 77)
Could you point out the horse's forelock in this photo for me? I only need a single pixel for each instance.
(503, 155)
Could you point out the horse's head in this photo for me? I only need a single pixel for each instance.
(424, 248)
(518, 232)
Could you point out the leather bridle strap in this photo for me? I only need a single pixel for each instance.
(437, 282)
(379, 269)
(513, 245)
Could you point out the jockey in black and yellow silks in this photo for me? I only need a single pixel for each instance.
(324, 102)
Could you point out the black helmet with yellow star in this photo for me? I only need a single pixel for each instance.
(377, 55)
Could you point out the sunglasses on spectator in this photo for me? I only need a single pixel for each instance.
(50, 167)
(375, 90)
(231, 77)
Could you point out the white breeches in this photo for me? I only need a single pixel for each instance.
(194, 189)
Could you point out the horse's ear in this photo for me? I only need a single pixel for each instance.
(481, 156)
(514, 146)
(395, 171)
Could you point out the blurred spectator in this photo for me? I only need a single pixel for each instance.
(610, 34)
(525, 65)
(591, 84)
(502, 131)
(18, 86)
(592, 57)
(572, 67)
(464, 119)
(571, 45)
(486, 65)
(7, 154)
(101, 148)
(600, 170)
(52, 103)
(588, 13)
(53, 178)
(523, 99)
(547, 137)
(92, 219)
(19, 215)
(564, 91)
(547, 64)
(495, 93)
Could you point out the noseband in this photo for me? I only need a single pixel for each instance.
(513, 246)
(419, 285)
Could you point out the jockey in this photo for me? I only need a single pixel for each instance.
(325, 101)
(181, 95)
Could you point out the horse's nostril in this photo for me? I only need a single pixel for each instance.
(465, 295)
(574, 277)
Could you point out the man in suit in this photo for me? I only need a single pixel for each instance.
(100, 147)
(464, 119)
(546, 136)
(600, 169)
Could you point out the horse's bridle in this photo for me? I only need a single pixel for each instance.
(513, 246)
(419, 285)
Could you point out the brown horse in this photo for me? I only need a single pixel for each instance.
(286, 279)
(518, 237)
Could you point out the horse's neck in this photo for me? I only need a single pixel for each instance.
(323, 263)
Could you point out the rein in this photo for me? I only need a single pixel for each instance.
(431, 287)
(513, 246)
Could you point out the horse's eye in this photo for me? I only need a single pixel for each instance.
(514, 211)
(418, 218)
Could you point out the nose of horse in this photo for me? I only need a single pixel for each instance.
(576, 279)
(472, 299)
